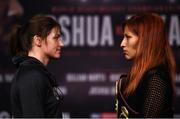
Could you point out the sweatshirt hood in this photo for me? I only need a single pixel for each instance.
(25, 60)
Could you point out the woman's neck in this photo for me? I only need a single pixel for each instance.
(40, 57)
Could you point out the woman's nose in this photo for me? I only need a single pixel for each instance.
(122, 44)
(61, 43)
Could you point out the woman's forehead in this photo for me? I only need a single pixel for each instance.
(56, 30)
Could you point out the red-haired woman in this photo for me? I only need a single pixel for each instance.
(148, 89)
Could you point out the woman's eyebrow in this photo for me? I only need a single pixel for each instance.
(126, 35)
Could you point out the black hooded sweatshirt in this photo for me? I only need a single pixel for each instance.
(34, 91)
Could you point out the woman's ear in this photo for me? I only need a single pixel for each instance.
(37, 40)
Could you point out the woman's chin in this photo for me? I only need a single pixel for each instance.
(57, 56)
(127, 57)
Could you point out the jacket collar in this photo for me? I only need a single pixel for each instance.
(26, 60)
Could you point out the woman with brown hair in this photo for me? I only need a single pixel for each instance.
(34, 91)
(148, 89)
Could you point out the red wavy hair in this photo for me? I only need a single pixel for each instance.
(153, 48)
